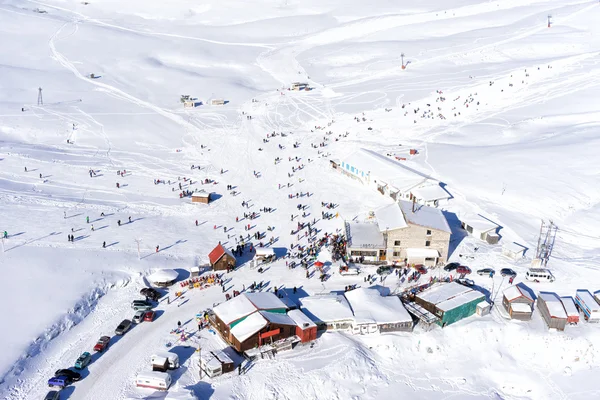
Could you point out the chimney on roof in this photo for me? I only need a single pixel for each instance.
(413, 204)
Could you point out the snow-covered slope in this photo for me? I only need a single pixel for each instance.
(501, 108)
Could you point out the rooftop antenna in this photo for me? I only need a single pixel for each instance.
(40, 100)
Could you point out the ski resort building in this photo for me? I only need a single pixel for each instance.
(221, 259)
(552, 310)
(518, 302)
(480, 227)
(306, 329)
(374, 313)
(391, 178)
(413, 233)
(365, 240)
(450, 302)
(328, 311)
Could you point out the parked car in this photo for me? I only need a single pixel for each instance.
(150, 293)
(486, 271)
(141, 305)
(74, 376)
(149, 316)
(83, 360)
(451, 266)
(59, 381)
(102, 343)
(52, 395)
(384, 270)
(508, 272)
(123, 327)
(465, 282)
(421, 269)
(139, 316)
(463, 270)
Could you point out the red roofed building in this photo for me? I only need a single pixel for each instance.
(221, 259)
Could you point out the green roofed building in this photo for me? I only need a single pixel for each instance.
(450, 302)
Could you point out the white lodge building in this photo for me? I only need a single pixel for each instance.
(404, 231)
(392, 178)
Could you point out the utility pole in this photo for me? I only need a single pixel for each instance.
(138, 241)
(40, 100)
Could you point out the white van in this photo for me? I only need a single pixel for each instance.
(153, 380)
(539, 274)
(164, 359)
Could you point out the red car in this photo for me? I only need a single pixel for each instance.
(421, 269)
(463, 270)
(102, 343)
(149, 316)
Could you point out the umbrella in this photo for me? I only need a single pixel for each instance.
(319, 264)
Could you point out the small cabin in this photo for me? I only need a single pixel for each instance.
(217, 102)
(221, 259)
(299, 86)
(201, 197)
(513, 250)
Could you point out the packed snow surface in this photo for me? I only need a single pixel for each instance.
(499, 98)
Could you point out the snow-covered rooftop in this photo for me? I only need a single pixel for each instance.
(516, 291)
(301, 319)
(425, 216)
(390, 218)
(586, 297)
(370, 306)
(326, 308)
(366, 235)
(459, 300)
(478, 222)
(430, 193)
(381, 167)
(163, 275)
(569, 305)
(249, 326)
(152, 375)
(521, 307)
(513, 247)
(265, 300)
(234, 309)
(555, 306)
(277, 318)
(200, 194)
(442, 292)
(264, 251)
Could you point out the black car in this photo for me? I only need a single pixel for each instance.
(74, 376)
(485, 271)
(150, 293)
(465, 282)
(451, 266)
(123, 327)
(508, 272)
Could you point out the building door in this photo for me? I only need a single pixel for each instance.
(382, 255)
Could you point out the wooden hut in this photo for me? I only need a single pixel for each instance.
(518, 302)
(262, 327)
(201, 197)
(306, 329)
(221, 259)
(552, 310)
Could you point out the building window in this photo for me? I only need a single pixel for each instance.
(396, 254)
(428, 232)
(396, 243)
(427, 243)
(429, 259)
(347, 167)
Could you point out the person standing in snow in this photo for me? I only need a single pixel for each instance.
(196, 222)
(87, 220)
(130, 219)
(157, 249)
(119, 222)
(92, 227)
(103, 245)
